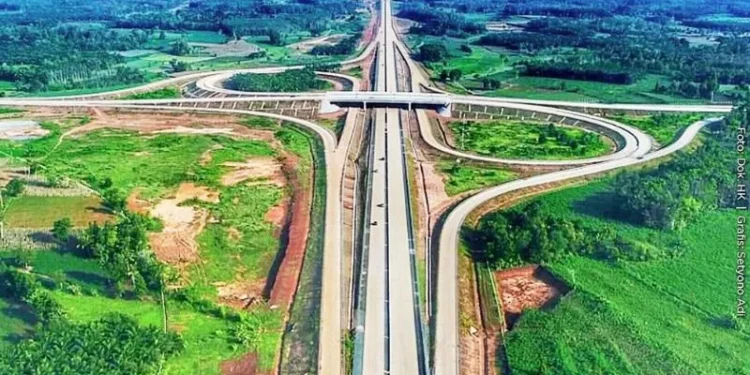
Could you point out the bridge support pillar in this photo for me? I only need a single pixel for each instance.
(444, 110)
(327, 107)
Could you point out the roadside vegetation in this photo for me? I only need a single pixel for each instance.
(640, 251)
(663, 127)
(606, 51)
(527, 140)
(462, 177)
(171, 92)
(99, 264)
(294, 80)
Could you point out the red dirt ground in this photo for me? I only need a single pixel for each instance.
(287, 278)
(531, 287)
(245, 365)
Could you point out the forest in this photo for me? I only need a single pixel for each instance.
(529, 235)
(609, 41)
(47, 47)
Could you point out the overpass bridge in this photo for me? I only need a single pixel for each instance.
(333, 101)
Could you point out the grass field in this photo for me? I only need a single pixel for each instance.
(5, 111)
(462, 177)
(239, 246)
(525, 140)
(42, 212)
(247, 256)
(660, 317)
(564, 89)
(153, 164)
(663, 127)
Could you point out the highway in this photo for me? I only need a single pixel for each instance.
(391, 328)
(392, 318)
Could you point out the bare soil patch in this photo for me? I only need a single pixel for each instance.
(435, 187)
(258, 170)
(245, 365)
(240, 294)
(176, 243)
(306, 46)
(234, 48)
(531, 287)
(471, 343)
(186, 123)
(403, 25)
(21, 129)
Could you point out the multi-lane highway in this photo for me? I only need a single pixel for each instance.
(392, 323)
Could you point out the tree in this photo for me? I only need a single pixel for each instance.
(92, 348)
(23, 258)
(14, 188)
(46, 308)
(61, 229)
(123, 250)
(432, 52)
(177, 66)
(179, 48)
(275, 37)
(542, 138)
(455, 74)
(114, 200)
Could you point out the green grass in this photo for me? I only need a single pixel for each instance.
(154, 164)
(16, 320)
(208, 339)
(4, 111)
(239, 247)
(563, 89)
(659, 317)
(461, 178)
(248, 256)
(520, 139)
(7, 86)
(663, 127)
(490, 301)
(163, 93)
(42, 212)
(584, 336)
(66, 267)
